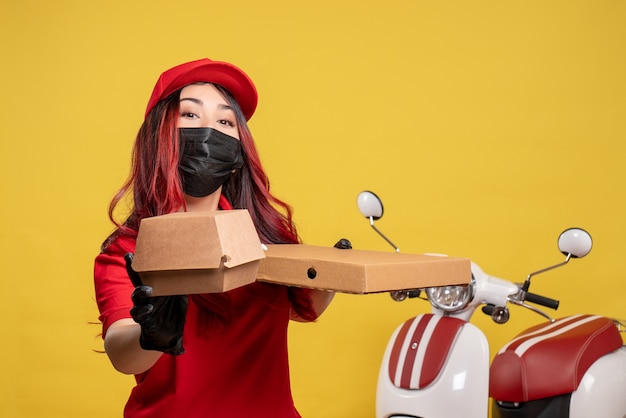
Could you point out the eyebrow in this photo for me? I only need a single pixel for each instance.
(192, 99)
(199, 102)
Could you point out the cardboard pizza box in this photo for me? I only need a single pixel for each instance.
(359, 271)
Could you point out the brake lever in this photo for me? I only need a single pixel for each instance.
(517, 302)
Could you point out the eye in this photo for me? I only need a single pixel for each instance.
(227, 122)
(188, 115)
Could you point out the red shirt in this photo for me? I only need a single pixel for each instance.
(238, 369)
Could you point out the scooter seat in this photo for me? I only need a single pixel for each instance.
(550, 359)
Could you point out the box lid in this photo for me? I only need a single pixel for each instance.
(196, 240)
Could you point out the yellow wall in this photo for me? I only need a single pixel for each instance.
(486, 126)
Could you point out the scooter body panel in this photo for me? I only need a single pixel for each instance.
(602, 391)
(460, 389)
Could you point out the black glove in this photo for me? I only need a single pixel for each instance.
(162, 318)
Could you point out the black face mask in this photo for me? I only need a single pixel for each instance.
(207, 159)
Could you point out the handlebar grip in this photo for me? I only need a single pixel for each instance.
(542, 300)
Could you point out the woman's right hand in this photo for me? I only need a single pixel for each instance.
(162, 318)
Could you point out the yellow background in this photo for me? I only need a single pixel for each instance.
(487, 127)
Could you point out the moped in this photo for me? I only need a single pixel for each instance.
(437, 364)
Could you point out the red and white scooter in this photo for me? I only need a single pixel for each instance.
(437, 364)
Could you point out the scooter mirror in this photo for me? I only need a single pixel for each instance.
(370, 205)
(575, 242)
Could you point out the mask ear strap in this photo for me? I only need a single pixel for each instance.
(224, 204)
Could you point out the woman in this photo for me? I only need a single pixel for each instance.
(214, 355)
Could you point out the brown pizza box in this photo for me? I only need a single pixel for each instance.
(359, 271)
(197, 252)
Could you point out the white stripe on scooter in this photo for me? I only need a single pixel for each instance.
(405, 347)
(528, 344)
(539, 331)
(421, 352)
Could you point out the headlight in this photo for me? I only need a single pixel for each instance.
(451, 298)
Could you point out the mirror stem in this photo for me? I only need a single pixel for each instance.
(527, 282)
(383, 235)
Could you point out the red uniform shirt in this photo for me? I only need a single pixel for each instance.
(238, 369)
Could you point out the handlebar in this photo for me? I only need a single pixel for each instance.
(490, 309)
(542, 300)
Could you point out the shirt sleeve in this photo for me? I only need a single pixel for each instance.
(111, 282)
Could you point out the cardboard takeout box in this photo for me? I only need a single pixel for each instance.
(197, 252)
(359, 271)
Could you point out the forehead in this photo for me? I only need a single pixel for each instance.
(203, 91)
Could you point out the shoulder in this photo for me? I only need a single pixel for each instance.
(110, 261)
(118, 243)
